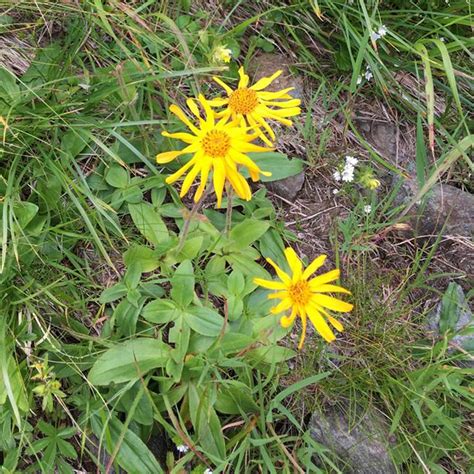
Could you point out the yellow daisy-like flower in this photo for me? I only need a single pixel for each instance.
(254, 106)
(218, 147)
(305, 296)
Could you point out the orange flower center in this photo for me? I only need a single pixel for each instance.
(216, 143)
(300, 292)
(243, 101)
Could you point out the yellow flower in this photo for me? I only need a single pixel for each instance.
(221, 54)
(305, 296)
(217, 147)
(373, 183)
(254, 106)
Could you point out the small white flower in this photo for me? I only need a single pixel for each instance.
(335, 191)
(368, 74)
(359, 80)
(348, 174)
(374, 36)
(350, 160)
(368, 209)
(382, 31)
(182, 448)
(442, 39)
(337, 175)
(207, 471)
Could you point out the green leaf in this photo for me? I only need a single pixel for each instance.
(277, 163)
(450, 309)
(25, 212)
(126, 316)
(236, 283)
(149, 222)
(247, 232)
(182, 284)
(160, 311)
(270, 355)
(145, 257)
(191, 248)
(204, 321)
(113, 293)
(117, 176)
(133, 455)
(235, 398)
(128, 361)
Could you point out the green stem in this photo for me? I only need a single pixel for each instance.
(228, 214)
(187, 222)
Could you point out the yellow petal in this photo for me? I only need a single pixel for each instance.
(282, 306)
(239, 183)
(287, 321)
(283, 276)
(206, 166)
(175, 176)
(184, 137)
(219, 180)
(265, 81)
(316, 282)
(303, 328)
(218, 102)
(182, 116)
(193, 107)
(335, 323)
(278, 295)
(167, 156)
(284, 103)
(210, 115)
(188, 181)
(282, 94)
(332, 303)
(222, 84)
(317, 263)
(295, 263)
(270, 285)
(265, 125)
(332, 289)
(320, 324)
(244, 79)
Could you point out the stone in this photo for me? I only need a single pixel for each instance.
(266, 64)
(445, 208)
(287, 188)
(382, 135)
(362, 443)
(454, 307)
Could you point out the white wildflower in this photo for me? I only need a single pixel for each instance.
(207, 471)
(337, 175)
(368, 209)
(351, 160)
(335, 191)
(374, 36)
(382, 31)
(368, 73)
(182, 448)
(442, 39)
(348, 174)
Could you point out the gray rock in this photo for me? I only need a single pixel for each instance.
(361, 444)
(287, 188)
(382, 135)
(453, 313)
(444, 205)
